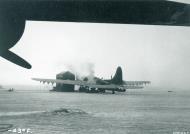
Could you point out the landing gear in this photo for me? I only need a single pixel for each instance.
(113, 92)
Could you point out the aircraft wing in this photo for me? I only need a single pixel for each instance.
(132, 83)
(112, 87)
(78, 82)
(14, 13)
(69, 82)
(148, 12)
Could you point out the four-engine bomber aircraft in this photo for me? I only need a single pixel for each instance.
(99, 85)
(14, 13)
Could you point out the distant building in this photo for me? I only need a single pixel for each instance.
(65, 87)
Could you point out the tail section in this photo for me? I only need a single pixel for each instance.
(118, 78)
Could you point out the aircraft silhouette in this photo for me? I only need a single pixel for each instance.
(14, 13)
(96, 84)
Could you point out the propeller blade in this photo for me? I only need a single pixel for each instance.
(16, 59)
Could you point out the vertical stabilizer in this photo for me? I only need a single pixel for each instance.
(118, 78)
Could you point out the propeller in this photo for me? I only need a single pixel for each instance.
(11, 30)
(12, 57)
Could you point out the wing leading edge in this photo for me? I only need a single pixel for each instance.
(136, 82)
(129, 85)
(76, 82)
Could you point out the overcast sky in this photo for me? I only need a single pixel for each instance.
(156, 53)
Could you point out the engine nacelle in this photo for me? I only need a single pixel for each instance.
(11, 30)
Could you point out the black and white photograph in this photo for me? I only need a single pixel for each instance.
(94, 67)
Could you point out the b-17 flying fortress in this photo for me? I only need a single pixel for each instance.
(96, 84)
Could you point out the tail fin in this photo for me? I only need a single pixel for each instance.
(118, 78)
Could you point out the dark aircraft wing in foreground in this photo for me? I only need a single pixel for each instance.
(14, 13)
